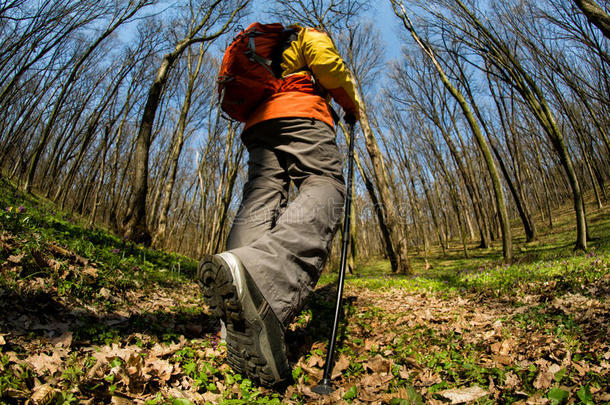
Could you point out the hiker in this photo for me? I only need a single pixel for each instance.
(275, 250)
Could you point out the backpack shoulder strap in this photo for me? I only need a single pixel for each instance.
(289, 35)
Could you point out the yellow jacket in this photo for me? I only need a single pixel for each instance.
(311, 53)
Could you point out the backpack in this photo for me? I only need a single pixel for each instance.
(250, 70)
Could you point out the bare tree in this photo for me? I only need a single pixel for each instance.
(179, 134)
(330, 15)
(31, 32)
(474, 126)
(213, 13)
(121, 16)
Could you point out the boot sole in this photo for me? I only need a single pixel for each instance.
(255, 338)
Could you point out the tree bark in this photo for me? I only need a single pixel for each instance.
(401, 262)
(595, 14)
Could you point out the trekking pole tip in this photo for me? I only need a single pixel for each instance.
(324, 387)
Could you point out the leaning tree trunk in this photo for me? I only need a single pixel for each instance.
(370, 188)
(595, 14)
(524, 214)
(95, 200)
(431, 206)
(466, 173)
(176, 149)
(408, 163)
(391, 221)
(134, 224)
(224, 191)
(507, 244)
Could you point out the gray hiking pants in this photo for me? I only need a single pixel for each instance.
(284, 246)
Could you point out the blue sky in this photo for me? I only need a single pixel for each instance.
(380, 13)
(389, 26)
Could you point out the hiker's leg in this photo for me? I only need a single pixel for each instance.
(254, 335)
(286, 261)
(264, 196)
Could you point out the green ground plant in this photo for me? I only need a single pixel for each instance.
(101, 319)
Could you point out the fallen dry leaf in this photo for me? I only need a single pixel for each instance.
(159, 350)
(537, 399)
(502, 348)
(65, 340)
(16, 259)
(462, 395)
(211, 397)
(511, 380)
(404, 373)
(104, 293)
(368, 395)
(369, 344)
(316, 373)
(116, 400)
(43, 395)
(378, 364)
(502, 359)
(43, 362)
(91, 272)
(315, 361)
(163, 368)
(340, 366)
(376, 381)
(428, 378)
(545, 378)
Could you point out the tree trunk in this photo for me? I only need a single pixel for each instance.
(370, 188)
(432, 208)
(391, 221)
(176, 148)
(524, 213)
(595, 14)
(100, 181)
(507, 244)
(135, 225)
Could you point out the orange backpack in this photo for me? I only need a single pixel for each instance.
(247, 73)
(250, 70)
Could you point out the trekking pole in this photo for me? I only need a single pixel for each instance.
(324, 387)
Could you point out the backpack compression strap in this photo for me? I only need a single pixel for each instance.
(251, 52)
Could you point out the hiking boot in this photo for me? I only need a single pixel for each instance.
(255, 337)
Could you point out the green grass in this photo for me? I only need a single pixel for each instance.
(534, 300)
(547, 269)
(549, 258)
(37, 223)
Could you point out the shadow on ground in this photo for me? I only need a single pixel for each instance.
(315, 323)
(39, 315)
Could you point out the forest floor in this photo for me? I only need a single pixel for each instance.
(89, 318)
